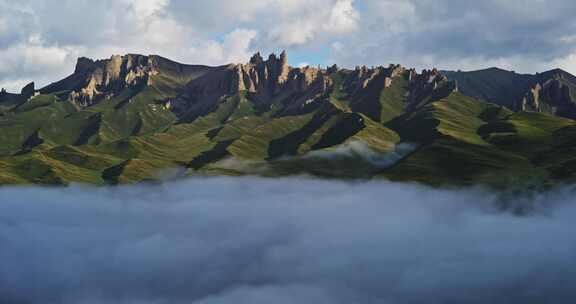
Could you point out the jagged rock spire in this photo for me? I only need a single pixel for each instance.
(256, 59)
(83, 64)
(332, 69)
(28, 90)
(107, 77)
(284, 58)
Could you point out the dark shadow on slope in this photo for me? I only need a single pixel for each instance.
(288, 144)
(133, 92)
(218, 152)
(351, 124)
(111, 175)
(90, 132)
(31, 142)
(138, 126)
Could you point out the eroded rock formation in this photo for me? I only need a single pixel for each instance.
(104, 78)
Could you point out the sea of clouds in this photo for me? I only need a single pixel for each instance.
(292, 240)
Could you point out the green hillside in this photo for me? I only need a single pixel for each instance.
(159, 119)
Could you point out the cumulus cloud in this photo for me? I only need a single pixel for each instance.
(250, 240)
(46, 48)
(299, 22)
(32, 58)
(522, 35)
(526, 36)
(206, 32)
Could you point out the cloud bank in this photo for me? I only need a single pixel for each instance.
(361, 150)
(251, 240)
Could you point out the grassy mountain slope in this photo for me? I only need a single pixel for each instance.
(152, 118)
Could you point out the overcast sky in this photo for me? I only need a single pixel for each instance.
(41, 39)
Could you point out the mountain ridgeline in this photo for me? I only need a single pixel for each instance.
(549, 92)
(134, 118)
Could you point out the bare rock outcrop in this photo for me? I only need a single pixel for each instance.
(272, 75)
(264, 80)
(551, 95)
(198, 90)
(28, 90)
(364, 77)
(531, 101)
(428, 84)
(105, 78)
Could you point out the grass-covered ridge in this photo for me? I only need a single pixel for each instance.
(190, 120)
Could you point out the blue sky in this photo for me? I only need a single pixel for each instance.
(41, 39)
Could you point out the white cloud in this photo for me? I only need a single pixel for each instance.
(42, 52)
(526, 36)
(147, 8)
(237, 45)
(567, 63)
(14, 85)
(342, 18)
(300, 22)
(30, 61)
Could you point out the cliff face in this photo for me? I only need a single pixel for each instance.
(272, 76)
(273, 81)
(551, 92)
(429, 83)
(28, 90)
(96, 80)
(200, 89)
(265, 81)
(104, 78)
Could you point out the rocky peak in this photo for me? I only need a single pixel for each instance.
(283, 58)
(551, 93)
(278, 67)
(264, 80)
(256, 59)
(332, 69)
(84, 64)
(428, 83)
(531, 101)
(264, 76)
(364, 76)
(105, 78)
(555, 73)
(28, 90)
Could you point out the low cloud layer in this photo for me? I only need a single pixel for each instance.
(361, 150)
(354, 151)
(251, 240)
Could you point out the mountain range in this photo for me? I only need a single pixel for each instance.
(136, 118)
